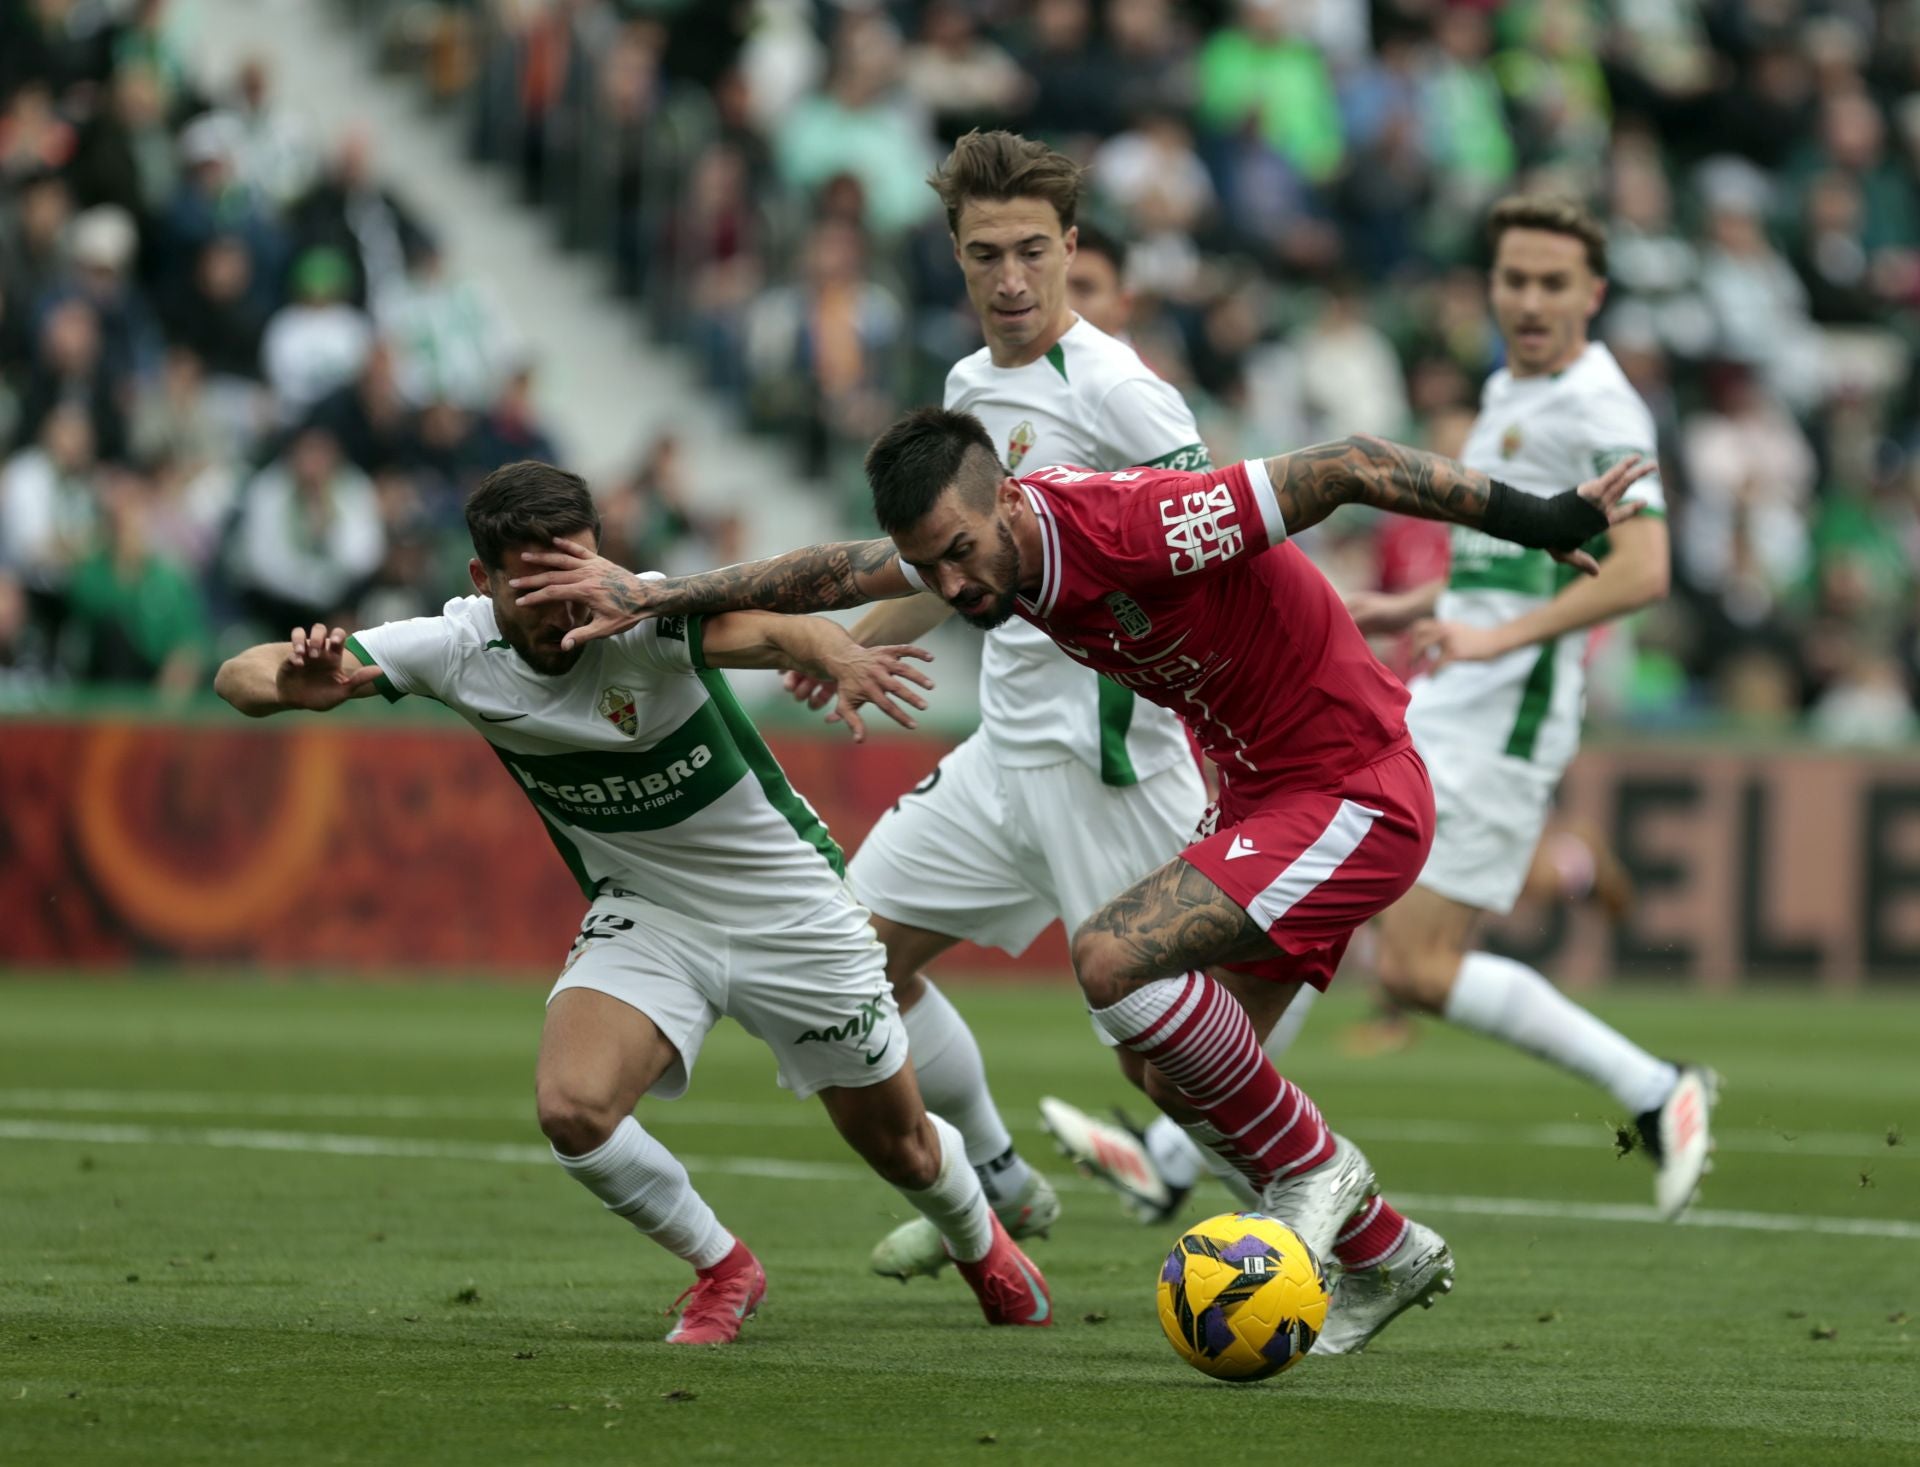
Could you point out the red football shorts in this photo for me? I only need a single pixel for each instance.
(1311, 866)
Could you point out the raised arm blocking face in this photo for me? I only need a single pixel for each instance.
(612, 598)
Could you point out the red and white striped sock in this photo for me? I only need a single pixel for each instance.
(1199, 1037)
(1370, 1235)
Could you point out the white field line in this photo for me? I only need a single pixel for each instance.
(1565, 1135)
(771, 1168)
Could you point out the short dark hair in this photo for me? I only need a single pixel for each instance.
(1556, 214)
(528, 503)
(999, 166)
(1095, 240)
(921, 453)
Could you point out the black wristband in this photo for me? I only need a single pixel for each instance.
(1564, 522)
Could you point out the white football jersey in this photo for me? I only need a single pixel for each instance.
(1543, 435)
(649, 777)
(1092, 403)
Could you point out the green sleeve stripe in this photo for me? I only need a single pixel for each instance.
(773, 779)
(696, 642)
(1189, 457)
(1535, 698)
(383, 683)
(1116, 717)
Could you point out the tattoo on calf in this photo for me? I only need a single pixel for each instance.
(1174, 920)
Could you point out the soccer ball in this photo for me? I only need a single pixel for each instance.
(1241, 1297)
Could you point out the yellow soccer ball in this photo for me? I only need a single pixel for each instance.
(1241, 1297)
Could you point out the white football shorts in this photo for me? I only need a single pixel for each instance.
(1489, 812)
(993, 855)
(815, 994)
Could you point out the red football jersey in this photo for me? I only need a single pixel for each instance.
(1181, 587)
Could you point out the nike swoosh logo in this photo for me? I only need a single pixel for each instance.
(1045, 1307)
(874, 1059)
(509, 718)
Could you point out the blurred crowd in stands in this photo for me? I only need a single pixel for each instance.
(240, 388)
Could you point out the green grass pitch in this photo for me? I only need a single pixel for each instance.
(314, 1223)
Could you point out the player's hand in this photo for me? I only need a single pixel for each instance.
(1438, 643)
(616, 597)
(314, 675)
(876, 675)
(1604, 492)
(815, 692)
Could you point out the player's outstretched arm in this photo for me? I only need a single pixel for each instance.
(889, 624)
(313, 670)
(818, 578)
(1313, 482)
(822, 650)
(1635, 573)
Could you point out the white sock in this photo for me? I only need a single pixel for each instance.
(955, 1204)
(1214, 1152)
(953, 1083)
(644, 1182)
(1508, 1000)
(1180, 1159)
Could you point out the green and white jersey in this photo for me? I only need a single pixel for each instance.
(1543, 435)
(1090, 402)
(648, 775)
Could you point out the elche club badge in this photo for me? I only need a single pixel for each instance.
(1020, 444)
(616, 706)
(1510, 441)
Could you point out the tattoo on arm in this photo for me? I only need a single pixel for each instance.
(1174, 920)
(818, 578)
(1363, 469)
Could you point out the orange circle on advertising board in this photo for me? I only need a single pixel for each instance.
(186, 906)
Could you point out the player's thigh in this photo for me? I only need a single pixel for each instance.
(943, 860)
(1172, 921)
(817, 996)
(909, 950)
(632, 1007)
(1098, 839)
(1309, 867)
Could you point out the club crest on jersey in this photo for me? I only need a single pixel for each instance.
(1020, 444)
(1134, 623)
(1510, 441)
(616, 706)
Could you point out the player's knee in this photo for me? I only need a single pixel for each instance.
(908, 984)
(574, 1123)
(1102, 966)
(1417, 977)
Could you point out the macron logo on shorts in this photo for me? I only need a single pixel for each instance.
(1241, 846)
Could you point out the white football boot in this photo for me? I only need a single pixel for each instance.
(1316, 1203)
(1367, 1300)
(1678, 1137)
(1114, 1154)
(915, 1250)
